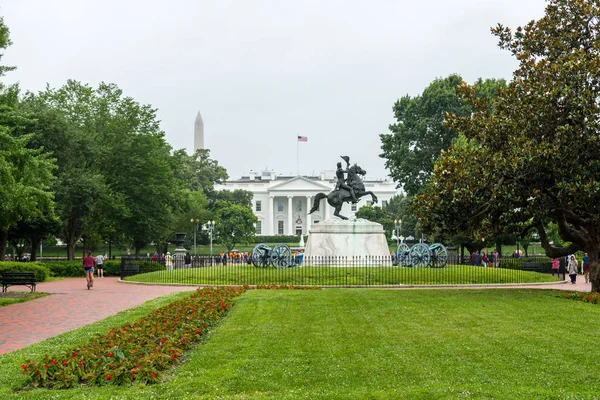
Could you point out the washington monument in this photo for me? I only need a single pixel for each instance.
(198, 133)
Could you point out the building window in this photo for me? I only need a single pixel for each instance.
(259, 227)
(316, 221)
(258, 205)
(384, 203)
(369, 203)
(280, 206)
(280, 227)
(299, 205)
(353, 207)
(298, 230)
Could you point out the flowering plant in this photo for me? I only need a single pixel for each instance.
(141, 350)
(593, 297)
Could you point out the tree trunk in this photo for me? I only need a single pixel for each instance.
(35, 242)
(72, 235)
(3, 243)
(594, 258)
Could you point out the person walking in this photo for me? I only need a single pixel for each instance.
(88, 266)
(187, 260)
(572, 268)
(586, 268)
(99, 261)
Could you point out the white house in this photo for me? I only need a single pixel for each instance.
(282, 203)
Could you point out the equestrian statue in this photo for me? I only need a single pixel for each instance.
(346, 189)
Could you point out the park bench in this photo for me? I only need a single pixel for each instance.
(534, 266)
(18, 278)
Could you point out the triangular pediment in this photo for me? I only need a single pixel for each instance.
(299, 184)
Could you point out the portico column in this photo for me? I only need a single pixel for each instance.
(271, 219)
(289, 215)
(308, 207)
(326, 207)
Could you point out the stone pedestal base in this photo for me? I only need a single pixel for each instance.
(347, 240)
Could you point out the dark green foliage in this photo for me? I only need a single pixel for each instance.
(41, 272)
(419, 135)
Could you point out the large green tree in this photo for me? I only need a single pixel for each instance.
(419, 135)
(234, 223)
(535, 159)
(25, 179)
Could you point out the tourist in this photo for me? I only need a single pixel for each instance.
(484, 258)
(169, 261)
(496, 258)
(187, 260)
(99, 261)
(88, 266)
(572, 268)
(586, 268)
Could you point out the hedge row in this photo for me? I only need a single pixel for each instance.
(71, 269)
(41, 271)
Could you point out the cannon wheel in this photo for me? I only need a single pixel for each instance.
(402, 255)
(439, 255)
(281, 256)
(260, 255)
(420, 255)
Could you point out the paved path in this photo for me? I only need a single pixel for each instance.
(30, 322)
(27, 323)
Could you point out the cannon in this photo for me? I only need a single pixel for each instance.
(279, 256)
(421, 255)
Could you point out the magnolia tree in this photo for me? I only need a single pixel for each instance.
(530, 159)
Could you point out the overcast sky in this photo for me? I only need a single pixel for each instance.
(263, 72)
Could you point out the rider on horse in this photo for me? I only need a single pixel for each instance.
(341, 182)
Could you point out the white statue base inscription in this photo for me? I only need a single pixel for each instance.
(347, 240)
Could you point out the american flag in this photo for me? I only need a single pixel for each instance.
(303, 138)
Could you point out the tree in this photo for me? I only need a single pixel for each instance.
(379, 215)
(116, 167)
(419, 135)
(234, 223)
(4, 43)
(531, 158)
(25, 179)
(238, 196)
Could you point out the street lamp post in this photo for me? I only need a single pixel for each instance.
(195, 221)
(210, 228)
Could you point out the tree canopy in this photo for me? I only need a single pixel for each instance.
(419, 135)
(531, 157)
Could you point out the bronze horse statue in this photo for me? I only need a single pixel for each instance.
(337, 198)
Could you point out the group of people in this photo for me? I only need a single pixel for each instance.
(573, 268)
(483, 258)
(89, 262)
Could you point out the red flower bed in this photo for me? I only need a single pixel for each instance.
(141, 350)
(593, 297)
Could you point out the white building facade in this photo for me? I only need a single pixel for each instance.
(282, 203)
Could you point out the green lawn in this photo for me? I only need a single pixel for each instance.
(371, 344)
(9, 298)
(239, 274)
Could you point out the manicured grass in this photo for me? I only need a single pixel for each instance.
(371, 344)
(9, 298)
(240, 274)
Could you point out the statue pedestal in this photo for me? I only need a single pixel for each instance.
(347, 242)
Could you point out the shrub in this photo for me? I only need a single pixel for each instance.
(65, 268)
(593, 297)
(41, 272)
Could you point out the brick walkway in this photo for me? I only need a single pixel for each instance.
(27, 323)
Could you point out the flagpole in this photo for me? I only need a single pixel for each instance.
(297, 156)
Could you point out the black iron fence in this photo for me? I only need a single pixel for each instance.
(339, 271)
